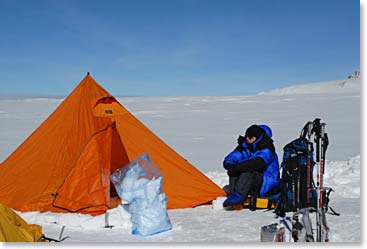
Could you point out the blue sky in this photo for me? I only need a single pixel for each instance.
(187, 47)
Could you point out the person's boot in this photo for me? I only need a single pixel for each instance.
(253, 201)
(237, 207)
(234, 201)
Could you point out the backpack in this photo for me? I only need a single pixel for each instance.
(296, 184)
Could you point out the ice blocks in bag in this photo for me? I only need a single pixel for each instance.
(140, 183)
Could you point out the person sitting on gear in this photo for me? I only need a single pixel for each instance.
(253, 167)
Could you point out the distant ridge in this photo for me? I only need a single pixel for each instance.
(339, 86)
(352, 85)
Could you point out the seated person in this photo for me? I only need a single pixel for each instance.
(253, 167)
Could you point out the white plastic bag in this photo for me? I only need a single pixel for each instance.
(140, 183)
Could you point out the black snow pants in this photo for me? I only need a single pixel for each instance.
(246, 183)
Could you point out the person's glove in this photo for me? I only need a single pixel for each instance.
(227, 165)
(241, 140)
(233, 171)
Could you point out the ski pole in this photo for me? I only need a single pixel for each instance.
(294, 159)
(325, 143)
(322, 160)
(309, 149)
(298, 188)
(317, 131)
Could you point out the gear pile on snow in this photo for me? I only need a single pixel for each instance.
(302, 159)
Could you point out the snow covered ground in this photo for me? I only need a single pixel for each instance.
(204, 130)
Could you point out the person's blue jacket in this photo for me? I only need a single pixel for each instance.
(262, 148)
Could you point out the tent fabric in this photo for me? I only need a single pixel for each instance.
(14, 229)
(89, 177)
(64, 165)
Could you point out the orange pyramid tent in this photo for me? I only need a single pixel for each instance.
(65, 164)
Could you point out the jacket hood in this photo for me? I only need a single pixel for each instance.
(267, 130)
(263, 141)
